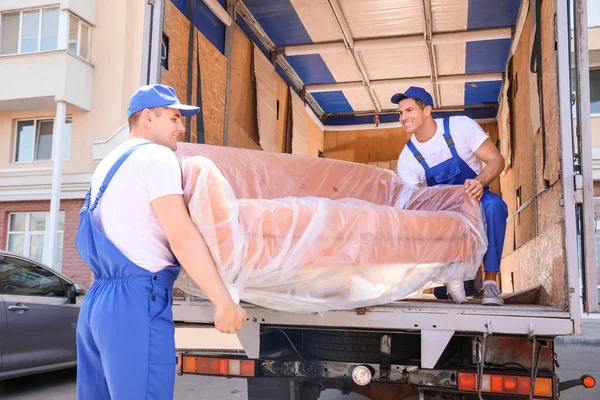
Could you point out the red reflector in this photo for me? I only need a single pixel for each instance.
(510, 384)
(467, 381)
(496, 384)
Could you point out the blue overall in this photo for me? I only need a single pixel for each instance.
(125, 332)
(455, 171)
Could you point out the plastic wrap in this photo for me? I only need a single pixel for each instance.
(302, 253)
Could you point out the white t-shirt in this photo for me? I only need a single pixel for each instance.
(467, 136)
(125, 214)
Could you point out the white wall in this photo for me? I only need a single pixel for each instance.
(85, 9)
(58, 74)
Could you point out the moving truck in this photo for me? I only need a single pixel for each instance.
(315, 78)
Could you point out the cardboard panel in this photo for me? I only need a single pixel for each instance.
(242, 128)
(315, 137)
(550, 90)
(523, 162)
(492, 130)
(534, 245)
(299, 125)
(266, 100)
(213, 70)
(177, 29)
(541, 260)
(282, 112)
(365, 146)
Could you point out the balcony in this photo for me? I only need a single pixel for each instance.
(85, 9)
(44, 57)
(38, 80)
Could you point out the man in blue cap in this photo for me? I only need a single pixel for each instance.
(453, 151)
(134, 231)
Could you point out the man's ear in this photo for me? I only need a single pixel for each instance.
(428, 110)
(146, 116)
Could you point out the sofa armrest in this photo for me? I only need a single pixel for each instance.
(452, 198)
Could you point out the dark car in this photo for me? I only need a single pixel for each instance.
(38, 317)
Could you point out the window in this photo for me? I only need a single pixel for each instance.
(19, 277)
(595, 91)
(593, 13)
(29, 31)
(26, 235)
(33, 140)
(79, 37)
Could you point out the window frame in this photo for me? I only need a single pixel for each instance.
(39, 34)
(27, 234)
(81, 22)
(68, 119)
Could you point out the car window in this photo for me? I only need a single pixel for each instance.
(23, 278)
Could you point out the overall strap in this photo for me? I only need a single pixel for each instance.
(417, 155)
(113, 170)
(448, 137)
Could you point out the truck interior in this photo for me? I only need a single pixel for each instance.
(315, 77)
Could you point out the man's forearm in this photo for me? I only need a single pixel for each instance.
(195, 258)
(491, 171)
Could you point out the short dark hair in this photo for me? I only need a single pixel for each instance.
(133, 118)
(420, 103)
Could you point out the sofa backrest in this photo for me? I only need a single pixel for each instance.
(260, 174)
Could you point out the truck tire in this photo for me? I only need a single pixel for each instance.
(282, 389)
(363, 347)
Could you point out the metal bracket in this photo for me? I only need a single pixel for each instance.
(386, 356)
(488, 326)
(531, 335)
(433, 344)
(249, 337)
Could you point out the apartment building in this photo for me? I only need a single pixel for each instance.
(594, 60)
(67, 71)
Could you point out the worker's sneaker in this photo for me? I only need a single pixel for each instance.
(456, 291)
(491, 294)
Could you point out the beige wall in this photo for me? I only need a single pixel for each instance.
(594, 38)
(596, 131)
(116, 58)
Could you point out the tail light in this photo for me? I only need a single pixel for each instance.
(191, 364)
(506, 384)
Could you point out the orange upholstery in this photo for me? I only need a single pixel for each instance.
(283, 224)
(384, 234)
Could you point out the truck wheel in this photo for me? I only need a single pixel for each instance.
(363, 347)
(282, 389)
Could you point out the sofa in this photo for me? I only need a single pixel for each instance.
(305, 234)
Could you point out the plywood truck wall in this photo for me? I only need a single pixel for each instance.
(213, 70)
(380, 146)
(242, 114)
(534, 246)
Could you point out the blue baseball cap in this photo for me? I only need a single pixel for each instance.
(416, 93)
(151, 96)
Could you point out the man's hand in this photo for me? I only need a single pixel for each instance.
(229, 318)
(474, 188)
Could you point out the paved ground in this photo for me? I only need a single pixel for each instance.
(574, 362)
